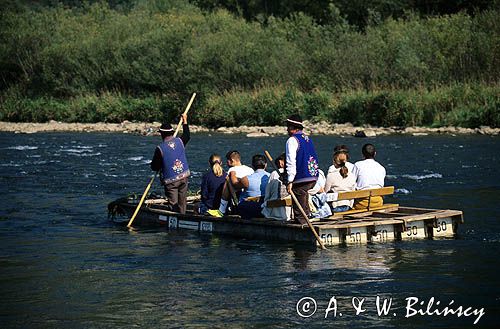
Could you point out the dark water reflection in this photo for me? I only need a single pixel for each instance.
(62, 264)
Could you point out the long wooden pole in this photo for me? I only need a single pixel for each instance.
(294, 198)
(142, 200)
(185, 112)
(156, 173)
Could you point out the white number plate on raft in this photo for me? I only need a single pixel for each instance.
(414, 230)
(443, 227)
(383, 233)
(329, 237)
(357, 235)
(206, 227)
(188, 225)
(172, 222)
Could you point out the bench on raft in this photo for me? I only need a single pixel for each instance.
(359, 194)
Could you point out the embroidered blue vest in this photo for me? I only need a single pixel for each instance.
(175, 166)
(307, 160)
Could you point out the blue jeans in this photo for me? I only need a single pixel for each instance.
(341, 208)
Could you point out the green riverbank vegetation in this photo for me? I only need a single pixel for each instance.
(141, 60)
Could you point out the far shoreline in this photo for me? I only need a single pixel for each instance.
(318, 128)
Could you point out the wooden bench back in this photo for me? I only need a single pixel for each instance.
(341, 196)
(388, 190)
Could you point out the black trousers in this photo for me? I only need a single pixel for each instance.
(301, 192)
(176, 194)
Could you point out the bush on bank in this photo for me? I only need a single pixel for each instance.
(462, 105)
(459, 105)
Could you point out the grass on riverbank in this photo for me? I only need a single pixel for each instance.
(462, 105)
(96, 63)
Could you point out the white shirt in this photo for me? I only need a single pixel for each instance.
(292, 145)
(336, 183)
(275, 174)
(369, 174)
(241, 171)
(320, 183)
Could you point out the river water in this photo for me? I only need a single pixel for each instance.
(64, 265)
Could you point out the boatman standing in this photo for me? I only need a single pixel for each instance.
(170, 159)
(301, 165)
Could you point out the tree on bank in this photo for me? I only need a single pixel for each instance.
(140, 60)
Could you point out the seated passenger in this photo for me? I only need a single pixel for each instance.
(341, 178)
(280, 164)
(317, 198)
(369, 174)
(345, 150)
(254, 187)
(212, 184)
(236, 171)
(276, 189)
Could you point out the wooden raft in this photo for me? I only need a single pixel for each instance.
(404, 223)
(386, 223)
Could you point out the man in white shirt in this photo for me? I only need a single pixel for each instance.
(369, 174)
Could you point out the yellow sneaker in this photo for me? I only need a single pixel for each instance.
(215, 213)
